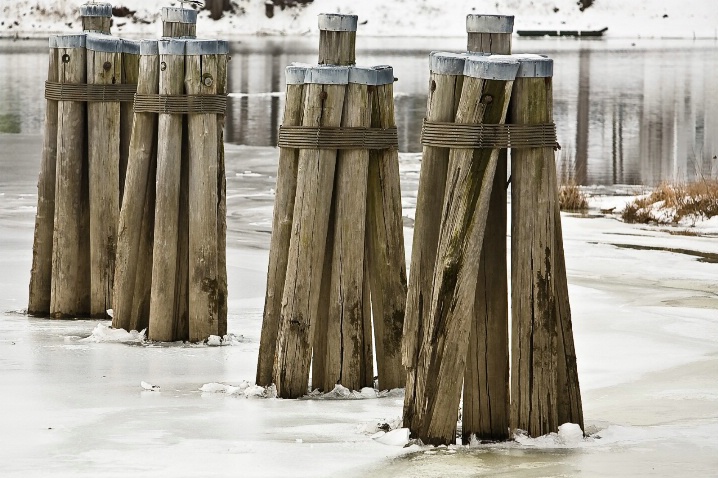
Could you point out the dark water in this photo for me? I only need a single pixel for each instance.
(627, 111)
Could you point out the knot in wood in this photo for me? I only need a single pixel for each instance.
(323, 95)
(487, 98)
(106, 66)
(432, 86)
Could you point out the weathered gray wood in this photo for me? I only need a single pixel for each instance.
(131, 290)
(103, 137)
(323, 334)
(533, 215)
(96, 24)
(285, 191)
(130, 76)
(201, 72)
(386, 256)
(444, 94)
(322, 107)
(41, 273)
(169, 168)
(222, 292)
(70, 294)
(337, 39)
(179, 30)
(486, 383)
(181, 295)
(345, 346)
(445, 345)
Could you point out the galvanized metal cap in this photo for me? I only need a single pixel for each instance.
(131, 47)
(446, 63)
(489, 23)
(171, 46)
(362, 75)
(101, 42)
(335, 22)
(295, 74)
(178, 15)
(534, 66)
(53, 42)
(494, 67)
(384, 74)
(206, 47)
(149, 47)
(96, 10)
(327, 75)
(74, 40)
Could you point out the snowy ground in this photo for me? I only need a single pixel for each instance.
(624, 18)
(73, 402)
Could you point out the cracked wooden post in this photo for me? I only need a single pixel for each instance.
(484, 100)
(201, 78)
(163, 309)
(179, 22)
(104, 67)
(133, 273)
(386, 260)
(445, 83)
(323, 105)
(285, 192)
(337, 39)
(70, 295)
(222, 61)
(130, 76)
(544, 382)
(41, 272)
(96, 17)
(486, 382)
(345, 360)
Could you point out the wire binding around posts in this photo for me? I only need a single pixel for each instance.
(308, 137)
(493, 136)
(90, 93)
(180, 104)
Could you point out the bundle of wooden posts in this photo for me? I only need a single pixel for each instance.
(456, 327)
(337, 253)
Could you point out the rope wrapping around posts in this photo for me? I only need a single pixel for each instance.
(533, 261)
(201, 74)
(386, 261)
(104, 66)
(345, 360)
(41, 272)
(96, 17)
(282, 220)
(445, 85)
(130, 75)
(486, 401)
(337, 39)
(167, 206)
(70, 295)
(323, 105)
(484, 98)
(131, 296)
(489, 33)
(178, 22)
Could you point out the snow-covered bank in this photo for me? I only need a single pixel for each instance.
(624, 19)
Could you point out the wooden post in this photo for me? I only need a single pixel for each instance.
(201, 73)
(385, 241)
(345, 362)
(41, 273)
(130, 76)
(136, 223)
(445, 84)
(222, 61)
(337, 39)
(285, 191)
(489, 33)
(104, 67)
(96, 17)
(323, 105)
(178, 22)
(167, 206)
(484, 99)
(486, 383)
(533, 260)
(70, 259)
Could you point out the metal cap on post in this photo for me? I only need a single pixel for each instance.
(384, 75)
(149, 47)
(104, 43)
(131, 47)
(337, 39)
(489, 33)
(96, 17)
(534, 66)
(335, 22)
(178, 22)
(494, 67)
(295, 74)
(446, 63)
(69, 41)
(327, 75)
(171, 46)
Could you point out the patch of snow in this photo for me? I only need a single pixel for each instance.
(244, 389)
(149, 387)
(399, 437)
(105, 333)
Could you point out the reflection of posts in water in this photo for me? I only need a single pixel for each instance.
(583, 116)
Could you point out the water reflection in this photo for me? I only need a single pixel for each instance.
(626, 112)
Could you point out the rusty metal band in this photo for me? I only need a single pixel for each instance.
(181, 104)
(307, 137)
(494, 136)
(93, 93)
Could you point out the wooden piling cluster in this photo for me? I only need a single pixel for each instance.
(337, 253)
(89, 79)
(456, 327)
(171, 256)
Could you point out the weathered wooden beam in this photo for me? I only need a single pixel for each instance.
(489, 33)
(179, 22)
(130, 76)
(337, 39)
(445, 84)
(96, 17)
(222, 61)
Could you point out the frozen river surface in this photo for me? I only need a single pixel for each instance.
(72, 404)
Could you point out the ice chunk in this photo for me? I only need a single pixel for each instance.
(398, 437)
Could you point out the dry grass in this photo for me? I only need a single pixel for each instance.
(672, 203)
(571, 198)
